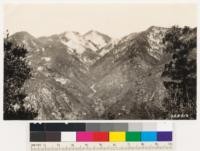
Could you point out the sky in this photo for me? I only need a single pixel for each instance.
(115, 20)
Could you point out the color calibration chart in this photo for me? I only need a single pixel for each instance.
(101, 136)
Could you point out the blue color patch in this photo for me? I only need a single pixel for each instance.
(149, 136)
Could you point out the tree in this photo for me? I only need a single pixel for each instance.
(16, 72)
(181, 72)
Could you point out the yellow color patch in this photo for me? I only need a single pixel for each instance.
(117, 136)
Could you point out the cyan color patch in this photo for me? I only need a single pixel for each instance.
(149, 136)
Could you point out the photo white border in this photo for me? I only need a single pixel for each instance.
(181, 126)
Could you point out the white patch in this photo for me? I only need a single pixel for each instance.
(29, 56)
(26, 45)
(43, 49)
(24, 41)
(34, 44)
(106, 50)
(40, 68)
(37, 50)
(88, 61)
(92, 87)
(96, 39)
(90, 45)
(69, 50)
(109, 46)
(62, 80)
(46, 92)
(155, 40)
(77, 43)
(76, 47)
(29, 63)
(72, 35)
(46, 59)
(16, 107)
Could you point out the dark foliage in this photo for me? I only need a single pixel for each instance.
(180, 73)
(16, 72)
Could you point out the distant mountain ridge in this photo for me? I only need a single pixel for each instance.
(84, 45)
(94, 76)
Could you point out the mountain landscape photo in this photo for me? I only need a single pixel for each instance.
(91, 75)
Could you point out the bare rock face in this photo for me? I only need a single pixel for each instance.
(92, 76)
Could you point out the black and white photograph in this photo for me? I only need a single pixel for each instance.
(100, 61)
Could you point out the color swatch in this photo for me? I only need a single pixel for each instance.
(117, 136)
(100, 132)
(133, 136)
(149, 136)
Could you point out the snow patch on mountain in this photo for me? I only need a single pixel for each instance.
(108, 47)
(76, 42)
(74, 46)
(72, 35)
(97, 38)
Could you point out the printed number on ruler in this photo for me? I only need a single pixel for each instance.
(95, 146)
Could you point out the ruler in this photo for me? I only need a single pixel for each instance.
(105, 146)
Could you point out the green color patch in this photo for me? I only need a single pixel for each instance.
(133, 136)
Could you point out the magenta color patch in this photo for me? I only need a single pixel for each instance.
(84, 136)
